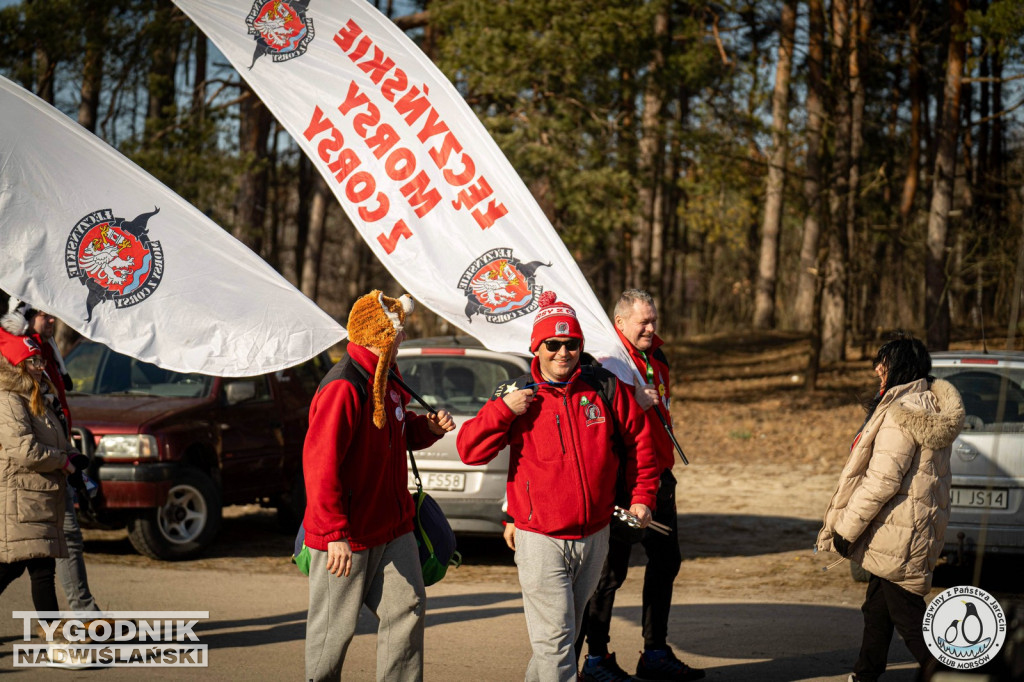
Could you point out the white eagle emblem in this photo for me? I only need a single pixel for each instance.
(272, 24)
(492, 288)
(102, 258)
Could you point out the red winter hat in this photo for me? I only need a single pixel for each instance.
(554, 319)
(17, 348)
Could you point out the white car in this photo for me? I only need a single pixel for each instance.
(987, 498)
(458, 374)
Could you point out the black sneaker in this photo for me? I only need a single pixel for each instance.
(658, 665)
(603, 669)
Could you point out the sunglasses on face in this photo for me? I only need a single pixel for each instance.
(554, 345)
(35, 361)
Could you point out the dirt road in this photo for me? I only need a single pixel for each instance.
(751, 601)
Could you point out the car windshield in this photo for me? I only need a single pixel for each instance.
(97, 370)
(460, 384)
(993, 398)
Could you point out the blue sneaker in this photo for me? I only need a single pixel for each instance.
(603, 669)
(658, 665)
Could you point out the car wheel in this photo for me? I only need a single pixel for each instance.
(858, 573)
(187, 522)
(292, 506)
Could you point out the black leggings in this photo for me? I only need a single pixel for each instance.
(40, 572)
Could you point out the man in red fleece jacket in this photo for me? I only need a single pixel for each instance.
(359, 513)
(561, 479)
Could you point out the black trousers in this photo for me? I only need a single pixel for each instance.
(663, 560)
(41, 573)
(888, 606)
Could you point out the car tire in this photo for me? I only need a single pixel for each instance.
(291, 507)
(858, 573)
(187, 522)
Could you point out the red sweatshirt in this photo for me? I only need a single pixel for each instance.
(562, 470)
(356, 474)
(663, 447)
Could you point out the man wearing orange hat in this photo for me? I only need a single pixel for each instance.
(359, 513)
(561, 482)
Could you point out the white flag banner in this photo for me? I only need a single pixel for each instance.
(413, 167)
(95, 240)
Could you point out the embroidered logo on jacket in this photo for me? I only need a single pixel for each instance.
(593, 413)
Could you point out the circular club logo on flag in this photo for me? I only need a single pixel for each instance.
(500, 287)
(114, 258)
(281, 29)
(964, 627)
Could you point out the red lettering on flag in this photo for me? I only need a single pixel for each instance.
(389, 242)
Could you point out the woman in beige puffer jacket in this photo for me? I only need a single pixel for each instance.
(891, 507)
(35, 458)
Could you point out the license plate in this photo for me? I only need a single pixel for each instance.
(981, 498)
(439, 481)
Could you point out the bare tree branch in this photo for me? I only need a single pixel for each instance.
(1004, 112)
(993, 79)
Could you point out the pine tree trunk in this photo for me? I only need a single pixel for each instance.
(768, 264)
(313, 256)
(92, 71)
(651, 153)
(160, 84)
(936, 281)
(251, 202)
(916, 103)
(834, 295)
(860, 23)
(808, 282)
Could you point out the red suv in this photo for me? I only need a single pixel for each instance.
(170, 449)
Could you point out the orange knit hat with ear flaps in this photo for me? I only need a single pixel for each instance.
(374, 322)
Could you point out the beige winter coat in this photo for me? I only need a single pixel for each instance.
(33, 452)
(892, 502)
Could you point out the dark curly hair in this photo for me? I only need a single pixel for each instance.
(905, 360)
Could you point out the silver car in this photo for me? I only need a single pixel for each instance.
(458, 374)
(987, 498)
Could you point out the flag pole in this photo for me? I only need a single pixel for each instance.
(661, 418)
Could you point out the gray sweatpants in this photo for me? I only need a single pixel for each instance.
(557, 577)
(388, 579)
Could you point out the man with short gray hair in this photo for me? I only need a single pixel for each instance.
(636, 320)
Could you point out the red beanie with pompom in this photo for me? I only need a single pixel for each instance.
(17, 348)
(554, 319)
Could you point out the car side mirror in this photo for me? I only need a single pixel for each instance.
(239, 391)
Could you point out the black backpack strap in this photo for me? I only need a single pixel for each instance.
(520, 382)
(348, 370)
(602, 381)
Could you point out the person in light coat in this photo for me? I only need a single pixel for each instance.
(36, 456)
(891, 507)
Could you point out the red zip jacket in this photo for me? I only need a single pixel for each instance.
(663, 447)
(561, 475)
(356, 474)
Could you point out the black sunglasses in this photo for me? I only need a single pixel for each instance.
(554, 345)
